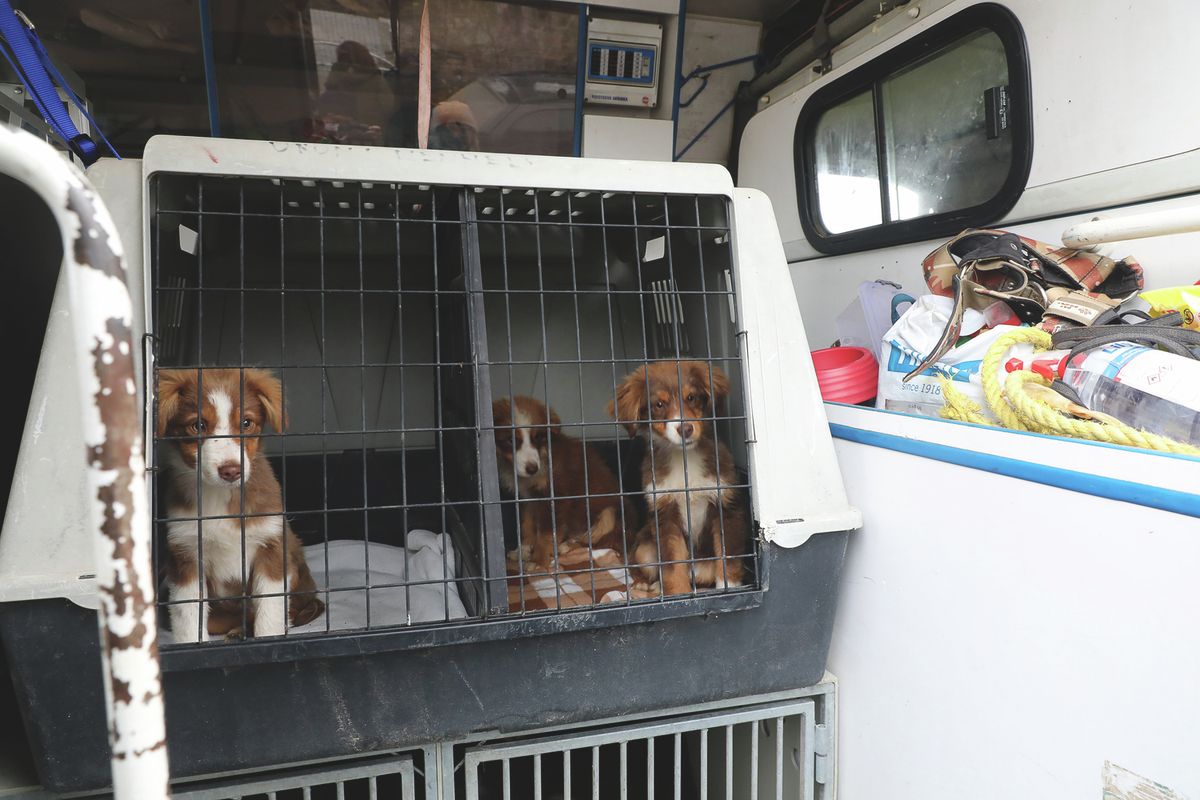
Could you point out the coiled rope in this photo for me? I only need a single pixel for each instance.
(1024, 402)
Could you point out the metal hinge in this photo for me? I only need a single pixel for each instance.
(821, 760)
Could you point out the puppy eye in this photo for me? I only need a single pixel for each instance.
(198, 427)
(660, 404)
(246, 423)
(691, 398)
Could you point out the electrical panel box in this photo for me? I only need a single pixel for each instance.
(622, 63)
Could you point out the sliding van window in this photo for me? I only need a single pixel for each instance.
(929, 138)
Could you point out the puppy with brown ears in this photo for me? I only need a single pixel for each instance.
(534, 457)
(697, 528)
(212, 462)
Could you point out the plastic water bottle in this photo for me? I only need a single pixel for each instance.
(1145, 388)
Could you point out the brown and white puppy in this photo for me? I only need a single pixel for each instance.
(529, 440)
(699, 527)
(212, 460)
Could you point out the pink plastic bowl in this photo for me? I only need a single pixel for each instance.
(846, 374)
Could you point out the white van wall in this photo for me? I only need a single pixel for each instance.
(1107, 132)
(1000, 637)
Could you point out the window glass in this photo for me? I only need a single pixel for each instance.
(502, 73)
(847, 165)
(335, 70)
(938, 153)
(138, 63)
(930, 137)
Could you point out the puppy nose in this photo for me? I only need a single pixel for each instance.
(531, 468)
(230, 471)
(686, 430)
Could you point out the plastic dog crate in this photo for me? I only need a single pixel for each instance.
(396, 294)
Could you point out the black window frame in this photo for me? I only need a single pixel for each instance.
(990, 17)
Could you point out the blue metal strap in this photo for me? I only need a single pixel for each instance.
(20, 46)
(705, 71)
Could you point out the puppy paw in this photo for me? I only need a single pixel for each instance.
(235, 635)
(645, 591)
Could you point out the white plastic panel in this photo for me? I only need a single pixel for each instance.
(627, 137)
(45, 544)
(798, 485)
(1013, 636)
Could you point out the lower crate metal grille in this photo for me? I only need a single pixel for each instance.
(384, 778)
(767, 751)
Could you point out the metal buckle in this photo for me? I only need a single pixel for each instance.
(21, 16)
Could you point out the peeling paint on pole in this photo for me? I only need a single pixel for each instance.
(101, 310)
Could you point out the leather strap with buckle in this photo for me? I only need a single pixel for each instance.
(1055, 288)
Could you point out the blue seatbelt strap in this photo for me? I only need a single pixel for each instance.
(20, 46)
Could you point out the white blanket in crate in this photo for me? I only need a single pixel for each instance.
(431, 594)
(353, 565)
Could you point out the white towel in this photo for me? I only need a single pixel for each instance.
(430, 564)
(430, 558)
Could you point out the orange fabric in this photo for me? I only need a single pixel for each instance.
(580, 581)
(424, 81)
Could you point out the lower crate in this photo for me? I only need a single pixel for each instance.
(502, 678)
(755, 749)
(781, 745)
(391, 776)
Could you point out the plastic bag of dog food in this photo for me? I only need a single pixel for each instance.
(1184, 299)
(914, 335)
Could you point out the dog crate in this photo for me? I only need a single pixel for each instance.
(781, 746)
(379, 778)
(393, 315)
(396, 295)
(777, 749)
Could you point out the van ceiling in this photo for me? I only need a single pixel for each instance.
(786, 23)
(758, 10)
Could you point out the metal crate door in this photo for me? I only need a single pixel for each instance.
(774, 750)
(371, 779)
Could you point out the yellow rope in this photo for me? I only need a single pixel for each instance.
(1017, 407)
(957, 406)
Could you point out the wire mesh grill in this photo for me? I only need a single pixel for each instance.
(371, 364)
(384, 778)
(768, 751)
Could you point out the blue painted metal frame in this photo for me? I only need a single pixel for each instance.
(1085, 483)
(210, 68)
(580, 76)
(678, 77)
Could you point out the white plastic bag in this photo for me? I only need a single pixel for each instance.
(868, 317)
(906, 344)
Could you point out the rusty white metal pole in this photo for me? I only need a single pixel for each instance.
(101, 311)
(1136, 226)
